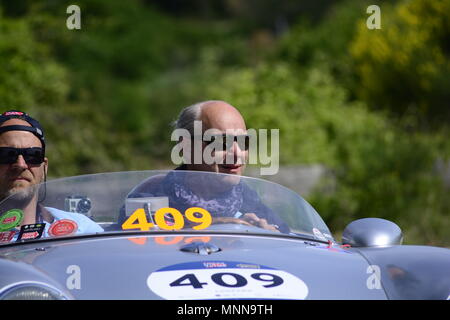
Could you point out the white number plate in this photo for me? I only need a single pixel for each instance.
(225, 280)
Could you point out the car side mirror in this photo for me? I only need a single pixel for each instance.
(372, 232)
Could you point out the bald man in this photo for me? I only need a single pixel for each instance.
(226, 197)
(23, 165)
(219, 120)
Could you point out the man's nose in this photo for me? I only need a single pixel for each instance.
(20, 162)
(235, 148)
(238, 153)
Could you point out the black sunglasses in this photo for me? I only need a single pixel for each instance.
(9, 155)
(242, 140)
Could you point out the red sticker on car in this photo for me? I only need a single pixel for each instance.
(63, 227)
(7, 236)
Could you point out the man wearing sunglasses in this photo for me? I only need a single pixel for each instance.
(23, 166)
(218, 124)
(223, 126)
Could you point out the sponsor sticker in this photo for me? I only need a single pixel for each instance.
(31, 231)
(11, 219)
(63, 227)
(7, 236)
(215, 264)
(225, 280)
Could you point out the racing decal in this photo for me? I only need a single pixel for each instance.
(225, 280)
(63, 227)
(7, 236)
(31, 231)
(11, 219)
(319, 234)
(168, 219)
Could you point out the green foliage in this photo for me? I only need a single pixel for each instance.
(388, 174)
(80, 140)
(327, 42)
(405, 67)
(28, 75)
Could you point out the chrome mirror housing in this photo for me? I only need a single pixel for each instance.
(372, 232)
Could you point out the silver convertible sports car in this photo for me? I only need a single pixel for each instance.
(183, 235)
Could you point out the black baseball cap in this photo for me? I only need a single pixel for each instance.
(35, 128)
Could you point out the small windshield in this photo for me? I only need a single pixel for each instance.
(155, 201)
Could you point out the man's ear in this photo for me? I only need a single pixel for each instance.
(45, 166)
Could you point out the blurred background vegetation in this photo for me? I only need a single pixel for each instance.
(371, 105)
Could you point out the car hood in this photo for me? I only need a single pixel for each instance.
(201, 266)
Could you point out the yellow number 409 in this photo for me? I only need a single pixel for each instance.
(140, 217)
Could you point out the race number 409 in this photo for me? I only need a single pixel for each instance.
(168, 219)
(209, 280)
(228, 280)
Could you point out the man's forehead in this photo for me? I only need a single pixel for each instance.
(10, 136)
(221, 117)
(13, 122)
(235, 132)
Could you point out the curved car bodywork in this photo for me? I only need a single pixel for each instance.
(229, 261)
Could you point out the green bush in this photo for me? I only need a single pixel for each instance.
(388, 174)
(405, 66)
(28, 74)
(81, 138)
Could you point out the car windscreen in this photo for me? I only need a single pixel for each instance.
(155, 201)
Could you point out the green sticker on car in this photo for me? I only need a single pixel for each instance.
(11, 219)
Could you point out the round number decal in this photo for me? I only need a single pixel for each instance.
(225, 280)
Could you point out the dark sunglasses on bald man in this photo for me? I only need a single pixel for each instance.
(9, 155)
(242, 140)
